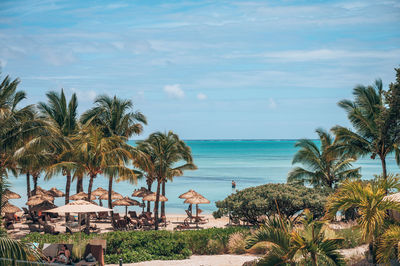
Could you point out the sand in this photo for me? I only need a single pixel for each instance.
(212, 260)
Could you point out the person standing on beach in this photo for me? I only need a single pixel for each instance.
(233, 184)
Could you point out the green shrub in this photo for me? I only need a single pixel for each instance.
(251, 203)
(259, 248)
(352, 237)
(135, 246)
(237, 243)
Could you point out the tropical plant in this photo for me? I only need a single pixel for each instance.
(289, 244)
(374, 118)
(326, 166)
(388, 244)
(116, 118)
(250, 204)
(369, 200)
(167, 150)
(64, 116)
(15, 250)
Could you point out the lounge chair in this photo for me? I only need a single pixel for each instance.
(96, 252)
(103, 216)
(50, 229)
(195, 219)
(33, 228)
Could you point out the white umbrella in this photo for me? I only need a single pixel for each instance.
(79, 206)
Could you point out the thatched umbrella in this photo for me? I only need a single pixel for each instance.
(198, 199)
(37, 199)
(82, 196)
(98, 192)
(140, 193)
(8, 194)
(44, 206)
(152, 197)
(114, 196)
(126, 202)
(9, 208)
(39, 190)
(55, 192)
(188, 195)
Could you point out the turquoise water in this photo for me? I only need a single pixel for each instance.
(248, 162)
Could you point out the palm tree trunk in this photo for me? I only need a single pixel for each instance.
(35, 178)
(383, 161)
(110, 183)
(28, 185)
(156, 205)
(67, 187)
(92, 177)
(163, 203)
(149, 183)
(79, 184)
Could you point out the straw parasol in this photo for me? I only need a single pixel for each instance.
(55, 192)
(126, 202)
(99, 191)
(39, 190)
(45, 205)
(11, 195)
(198, 199)
(188, 195)
(152, 197)
(140, 193)
(37, 199)
(9, 208)
(82, 196)
(114, 196)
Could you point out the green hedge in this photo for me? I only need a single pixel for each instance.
(135, 246)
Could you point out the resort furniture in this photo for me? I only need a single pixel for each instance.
(33, 228)
(50, 229)
(96, 252)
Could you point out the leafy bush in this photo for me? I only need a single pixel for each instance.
(237, 243)
(135, 246)
(259, 248)
(352, 237)
(251, 203)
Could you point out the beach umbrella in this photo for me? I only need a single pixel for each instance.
(393, 197)
(9, 208)
(45, 205)
(188, 195)
(39, 190)
(140, 193)
(152, 197)
(11, 195)
(198, 199)
(55, 192)
(126, 202)
(82, 196)
(37, 199)
(114, 196)
(99, 192)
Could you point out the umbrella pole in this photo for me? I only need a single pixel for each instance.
(197, 215)
(126, 211)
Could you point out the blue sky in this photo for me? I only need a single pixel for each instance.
(206, 69)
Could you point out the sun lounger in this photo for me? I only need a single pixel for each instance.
(50, 229)
(33, 228)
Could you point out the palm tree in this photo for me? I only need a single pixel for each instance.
(372, 118)
(167, 150)
(326, 166)
(16, 250)
(115, 117)
(289, 245)
(65, 117)
(389, 241)
(369, 200)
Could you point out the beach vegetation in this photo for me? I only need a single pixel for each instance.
(290, 244)
(250, 205)
(374, 114)
(326, 164)
(372, 207)
(115, 117)
(167, 150)
(237, 243)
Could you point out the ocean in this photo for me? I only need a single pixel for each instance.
(247, 162)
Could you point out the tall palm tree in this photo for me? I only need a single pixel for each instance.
(167, 150)
(290, 245)
(372, 119)
(115, 116)
(370, 203)
(64, 115)
(326, 165)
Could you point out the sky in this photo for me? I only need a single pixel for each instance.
(205, 69)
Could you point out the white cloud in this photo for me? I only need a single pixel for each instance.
(271, 104)
(85, 95)
(201, 96)
(174, 91)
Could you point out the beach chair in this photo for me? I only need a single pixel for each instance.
(133, 214)
(33, 228)
(50, 229)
